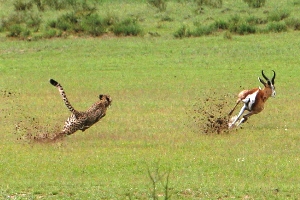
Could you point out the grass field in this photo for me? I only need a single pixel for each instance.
(156, 84)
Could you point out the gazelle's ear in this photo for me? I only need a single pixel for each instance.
(263, 82)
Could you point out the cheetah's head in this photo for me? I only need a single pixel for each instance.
(106, 99)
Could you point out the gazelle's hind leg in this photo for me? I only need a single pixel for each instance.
(237, 103)
(231, 125)
(245, 118)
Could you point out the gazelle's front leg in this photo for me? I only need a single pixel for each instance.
(239, 115)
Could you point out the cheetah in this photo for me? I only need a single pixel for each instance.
(82, 120)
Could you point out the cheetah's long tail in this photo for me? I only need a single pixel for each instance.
(63, 94)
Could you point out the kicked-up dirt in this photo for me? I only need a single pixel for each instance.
(210, 114)
(31, 130)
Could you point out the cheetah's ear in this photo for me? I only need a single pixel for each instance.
(100, 96)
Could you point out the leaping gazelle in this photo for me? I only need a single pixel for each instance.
(254, 99)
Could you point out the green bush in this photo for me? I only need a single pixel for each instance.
(110, 19)
(255, 3)
(240, 26)
(278, 15)
(56, 4)
(80, 20)
(203, 30)
(227, 35)
(21, 22)
(293, 23)
(63, 25)
(94, 25)
(182, 32)
(33, 21)
(221, 24)
(14, 18)
(25, 33)
(244, 28)
(160, 4)
(296, 2)
(167, 18)
(15, 30)
(255, 20)
(20, 5)
(211, 3)
(234, 23)
(50, 33)
(277, 26)
(127, 27)
(52, 23)
(69, 22)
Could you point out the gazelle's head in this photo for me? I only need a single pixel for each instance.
(269, 85)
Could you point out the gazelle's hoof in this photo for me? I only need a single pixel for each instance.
(232, 121)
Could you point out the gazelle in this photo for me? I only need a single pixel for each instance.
(253, 99)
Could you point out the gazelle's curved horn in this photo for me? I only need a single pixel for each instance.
(273, 77)
(262, 72)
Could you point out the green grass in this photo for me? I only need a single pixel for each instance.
(156, 83)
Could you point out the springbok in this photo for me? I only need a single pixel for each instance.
(253, 100)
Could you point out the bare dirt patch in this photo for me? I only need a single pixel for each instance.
(210, 114)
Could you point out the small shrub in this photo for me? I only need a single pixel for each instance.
(52, 24)
(293, 23)
(39, 4)
(94, 25)
(211, 3)
(50, 33)
(34, 21)
(227, 35)
(110, 19)
(20, 5)
(160, 4)
(255, 3)
(127, 27)
(25, 33)
(63, 25)
(166, 18)
(15, 30)
(245, 28)
(296, 2)
(278, 15)
(277, 26)
(182, 32)
(255, 20)
(14, 18)
(203, 30)
(240, 26)
(54, 4)
(221, 24)
(81, 19)
(234, 23)
(67, 21)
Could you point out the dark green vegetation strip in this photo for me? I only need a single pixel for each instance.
(36, 19)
